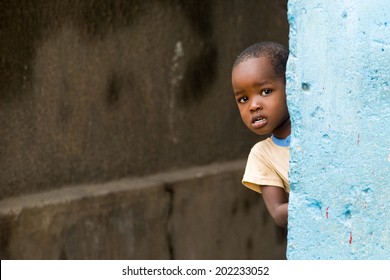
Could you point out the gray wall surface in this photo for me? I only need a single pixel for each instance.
(96, 91)
(197, 213)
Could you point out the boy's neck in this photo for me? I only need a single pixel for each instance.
(283, 130)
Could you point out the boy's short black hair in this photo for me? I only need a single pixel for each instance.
(277, 53)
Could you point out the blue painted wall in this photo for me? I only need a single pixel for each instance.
(338, 94)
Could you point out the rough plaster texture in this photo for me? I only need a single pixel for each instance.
(339, 98)
(92, 91)
(197, 213)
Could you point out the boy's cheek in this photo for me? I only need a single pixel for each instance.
(243, 117)
(244, 113)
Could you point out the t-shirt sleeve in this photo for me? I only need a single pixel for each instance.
(259, 173)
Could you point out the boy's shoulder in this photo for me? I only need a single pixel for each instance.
(263, 143)
(267, 146)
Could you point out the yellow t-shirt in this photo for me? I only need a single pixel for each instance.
(267, 165)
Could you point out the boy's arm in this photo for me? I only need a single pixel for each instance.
(277, 204)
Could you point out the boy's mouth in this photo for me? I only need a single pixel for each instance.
(258, 121)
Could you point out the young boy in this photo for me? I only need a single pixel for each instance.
(259, 82)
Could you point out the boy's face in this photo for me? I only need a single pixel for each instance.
(261, 97)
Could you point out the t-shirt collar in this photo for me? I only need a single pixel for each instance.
(282, 142)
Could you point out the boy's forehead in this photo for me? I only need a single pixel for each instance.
(253, 72)
(264, 61)
(261, 64)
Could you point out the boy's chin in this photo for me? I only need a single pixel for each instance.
(262, 133)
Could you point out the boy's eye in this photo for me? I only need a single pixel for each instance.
(266, 92)
(242, 99)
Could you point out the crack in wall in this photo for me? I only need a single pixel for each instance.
(169, 190)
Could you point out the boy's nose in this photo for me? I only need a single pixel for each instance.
(256, 104)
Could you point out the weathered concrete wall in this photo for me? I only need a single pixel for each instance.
(198, 213)
(96, 95)
(97, 90)
(339, 97)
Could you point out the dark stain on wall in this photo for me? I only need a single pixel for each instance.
(5, 233)
(115, 85)
(100, 16)
(199, 14)
(199, 74)
(201, 70)
(17, 34)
